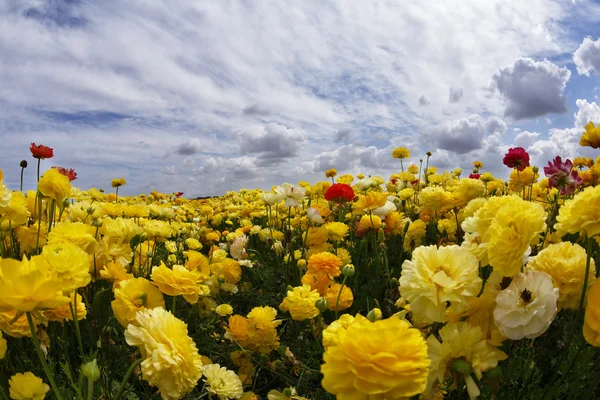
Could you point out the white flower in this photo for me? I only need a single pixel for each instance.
(222, 382)
(278, 247)
(527, 307)
(313, 216)
(271, 198)
(385, 210)
(238, 247)
(363, 184)
(246, 263)
(292, 194)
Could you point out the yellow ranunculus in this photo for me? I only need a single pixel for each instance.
(27, 386)
(132, 296)
(54, 185)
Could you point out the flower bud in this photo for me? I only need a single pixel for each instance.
(381, 235)
(394, 282)
(287, 392)
(91, 371)
(290, 288)
(322, 304)
(221, 279)
(374, 315)
(348, 270)
(462, 367)
(90, 210)
(301, 264)
(535, 169)
(66, 203)
(23, 164)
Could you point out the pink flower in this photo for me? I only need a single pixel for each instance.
(562, 176)
(69, 173)
(516, 157)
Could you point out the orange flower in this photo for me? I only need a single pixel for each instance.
(41, 152)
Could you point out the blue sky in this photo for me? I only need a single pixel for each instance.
(205, 97)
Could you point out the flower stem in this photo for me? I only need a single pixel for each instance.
(126, 378)
(586, 278)
(21, 187)
(38, 349)
(337, 301)
(173, 308)
(76, 322)
(90, 390)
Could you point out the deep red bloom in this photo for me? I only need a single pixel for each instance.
(516, 157)
(178, 194)
(69, 173)
(562, 176)
(415, 182)
(474, 176)
(340, 193)
(42, 152)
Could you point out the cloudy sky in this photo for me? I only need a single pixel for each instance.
(209, 96)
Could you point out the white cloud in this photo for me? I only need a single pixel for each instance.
(170, 170)
(273, 143)
(525, 139)
(531, 88)
(189, 147)
(455, 95)
(587, 57)
(464, 134)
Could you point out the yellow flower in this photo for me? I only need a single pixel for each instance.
(317, 236)
(118, 182)
(134, 295)
(223, 383)
(337, 230)
(466, 190)
(437, 276)
(400, 152)
(27, 386)
(343, 255)
(581, 213)
(115, 273)
(28, 236)
(69, 264)
(434, 198)
(325, 262)
(477, 164)
(262, 329)
(28, 285)
(406, 194)
(179, 281)
(369, 202)
(171, 359)
(413, 169)
(345, 298)
(369, 222)
(385, 359)
(406, 176)
(461, 341)
(157, 230)
(591, 327)
(415, 234)
(591, 136)
(346, 178)
(395, 223)
(15, 211)
(514, 228)
(229, 269)
(76, 233)
(54, 185)
(63, 313)
(300, 302)
(193, 244)
(565, 263)
(16, 326)
(330, 173)
(522, 179)
(237, 329)
(3, 346)
(224, 310)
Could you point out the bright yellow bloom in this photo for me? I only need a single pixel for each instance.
(54, 185)
(581, 213)
(224, 310)
(115, 273)
(400, 152)
(437, 276)
(15, 211)
(330, 173)
(76, 233)
(179, 281)
(27, 386)
(237, 329)
(3, 346)
(326, 263)
(28, 236)
(134, 295)
(229, 269)
(337, 230)
(63, 313)
(317, 236)
(262, 329)
(386, 359)
(406, 176)
(369, 202)
(171, 359)
(591, 327)
(591, 136)
(514, 228)
(118, 182)
(300, 303)
(345, 298)
(223, 383)
(29, 285)
(434, 198)
(69, 264)
(466, 190)
(478, 164)
(157, 230)
(522, 179)
(16, 327)
(565, 262)
(461, 341)
(415, 234)
(369, 222)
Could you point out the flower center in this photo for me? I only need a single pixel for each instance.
(526, 296)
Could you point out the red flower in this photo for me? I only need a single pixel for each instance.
(340, 193)
(178, 194)
(69, 173)
(474, 176)
(42, 152)
(516, 157)
(562, 175)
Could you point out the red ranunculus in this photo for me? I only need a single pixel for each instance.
(69, 173)
(516, 157)
(178, 194)
(42, 152)
(474, 176)
(340, 193)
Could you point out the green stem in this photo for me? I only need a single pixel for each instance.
(51, 215)
(117, 199)
(38, 169)
(90, 390)
(586, 278)
(126, 378)
(337, 301)
(38, 350)
(173, 308)
(76, 322)
(21, 187)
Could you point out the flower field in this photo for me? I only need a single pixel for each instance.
(426, 284)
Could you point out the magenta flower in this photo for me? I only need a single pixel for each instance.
(562, 176)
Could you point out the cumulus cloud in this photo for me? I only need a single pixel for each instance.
(460, 136)
(495, 124)
(423, 101)
(525, 139)
(343, 135)
(587, 57)
(273, 143)
(455, 95)
(189, 147)
(531, 88)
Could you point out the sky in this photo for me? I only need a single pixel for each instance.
(209, 96)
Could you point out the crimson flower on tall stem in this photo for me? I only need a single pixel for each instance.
(561, 175)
